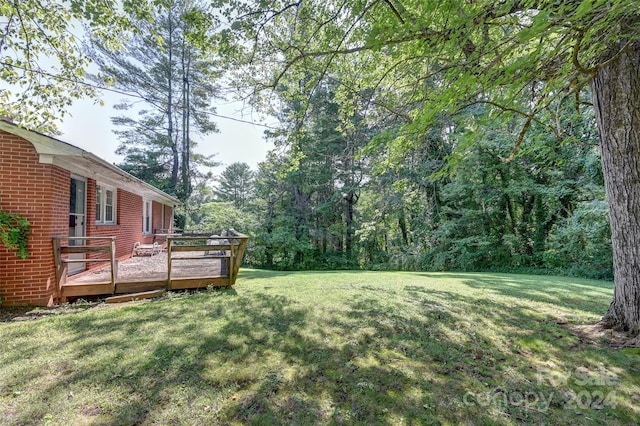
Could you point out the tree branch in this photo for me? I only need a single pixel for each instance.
(574, 57)
(395, 11)
(521, 136)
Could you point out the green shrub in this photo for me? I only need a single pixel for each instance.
(581, 243)
(14, 233)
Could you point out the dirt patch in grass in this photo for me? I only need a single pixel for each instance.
(596, 334)
(27, 313)
(8, 313)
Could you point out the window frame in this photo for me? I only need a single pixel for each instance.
(102, 191)
(147, 216)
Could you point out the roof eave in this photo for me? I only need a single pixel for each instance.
(74, 159)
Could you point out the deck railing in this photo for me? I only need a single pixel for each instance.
(100, 250)
(228, 250)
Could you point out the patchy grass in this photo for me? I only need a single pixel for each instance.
(327, 348)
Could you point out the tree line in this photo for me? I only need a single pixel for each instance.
(322, 201)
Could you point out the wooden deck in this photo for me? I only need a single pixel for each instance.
(192, 262)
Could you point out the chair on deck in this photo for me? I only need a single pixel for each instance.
(149, 249)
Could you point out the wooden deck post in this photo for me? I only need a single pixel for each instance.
(169, 256)
(231, 246)
(65, 289)
(114, 265)
(240, 244)
(60, 268)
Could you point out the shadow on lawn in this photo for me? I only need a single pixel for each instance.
(253, 274)
(587, 295)
(269, 360)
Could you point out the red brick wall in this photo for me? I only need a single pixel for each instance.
(91, 207)
(168, 217)
(128, 229)
(40, 192)
(156, 212)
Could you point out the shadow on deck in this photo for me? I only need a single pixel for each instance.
(188, 263)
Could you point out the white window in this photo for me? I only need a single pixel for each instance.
(146, 216)
(105, 204)
(99, 214)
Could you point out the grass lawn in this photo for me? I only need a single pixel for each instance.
(327, 348)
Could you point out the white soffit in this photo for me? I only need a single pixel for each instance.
(84, 163)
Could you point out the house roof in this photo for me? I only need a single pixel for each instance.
(81, 162)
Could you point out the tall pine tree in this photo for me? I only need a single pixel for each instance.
(175, 79)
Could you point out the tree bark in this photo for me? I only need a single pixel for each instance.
(269, 230)
(300, 212)
(174, 143)
(351, 200)
(616, 96)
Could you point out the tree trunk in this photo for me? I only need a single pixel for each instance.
(302, 201)
(269, 230)
(173, 140)
(351, 200)
(186, 118)
(528, 202)
(402, 223)
(616, 96)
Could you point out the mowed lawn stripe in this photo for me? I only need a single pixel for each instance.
(327, 348)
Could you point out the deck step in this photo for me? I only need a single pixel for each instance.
(134, 296)
(85, 289)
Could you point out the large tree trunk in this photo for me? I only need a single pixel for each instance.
(616, 96)
(351, 200)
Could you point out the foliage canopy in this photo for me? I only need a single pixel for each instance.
(422, 59)
(42, 64)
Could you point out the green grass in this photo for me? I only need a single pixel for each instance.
(327, 348)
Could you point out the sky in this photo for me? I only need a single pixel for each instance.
(89, 127)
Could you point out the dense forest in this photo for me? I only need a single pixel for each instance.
(329, 197)
(355, 180)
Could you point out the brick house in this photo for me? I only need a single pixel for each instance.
(65, 191)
